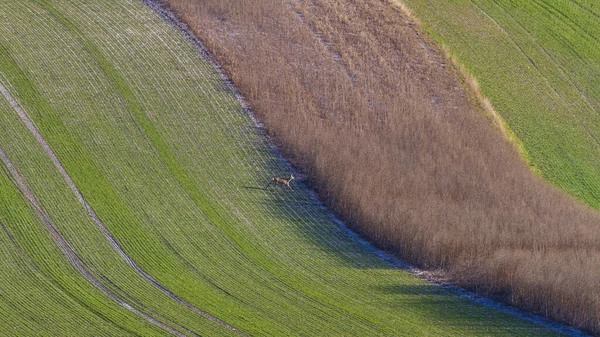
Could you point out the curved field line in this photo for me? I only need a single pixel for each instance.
(43, 277)
(566, 75)
(68, 250)
(548, 6)
(536, 67)
(32, 128)
(173, 19)
(585, 8)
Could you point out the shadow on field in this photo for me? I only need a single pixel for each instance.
(443, 308)
(295, 220)
(303, 217)
(414, 289)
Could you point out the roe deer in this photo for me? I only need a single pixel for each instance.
(282, 181)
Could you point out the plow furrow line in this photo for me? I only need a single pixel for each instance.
(114, 243)
(319, 213)
(241, 135)
(68, 250)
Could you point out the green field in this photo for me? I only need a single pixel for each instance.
(160, 149)
(539, 63)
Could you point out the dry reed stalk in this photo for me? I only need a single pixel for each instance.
(390, 137)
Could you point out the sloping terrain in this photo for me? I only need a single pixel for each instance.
(539, 63)
(133, 201)
(389, 132)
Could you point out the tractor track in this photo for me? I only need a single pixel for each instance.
(113, 241)
(433, 278)
(68, 250)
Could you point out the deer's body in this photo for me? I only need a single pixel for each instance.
(283, 181)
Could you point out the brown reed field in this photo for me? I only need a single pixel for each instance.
(397, 143)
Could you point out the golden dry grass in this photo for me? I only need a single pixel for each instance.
(389, 133)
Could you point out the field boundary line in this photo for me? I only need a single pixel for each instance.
(114, 243)
(440, 281)
(567, 77)
(432, 277)
(537, 69)
(170, 16)
(470, 83)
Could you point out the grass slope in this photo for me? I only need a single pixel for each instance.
(164, 154)
(42, 294)
(539, 63)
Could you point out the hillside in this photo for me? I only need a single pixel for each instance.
(132, 200)
(397, 143)
(539, 63)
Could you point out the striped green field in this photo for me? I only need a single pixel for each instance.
(539, 63)
(132, 200)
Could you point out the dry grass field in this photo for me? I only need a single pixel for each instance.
(382, 125)
(133, 200)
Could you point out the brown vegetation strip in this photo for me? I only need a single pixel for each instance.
(355, 96)
(113, 241)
